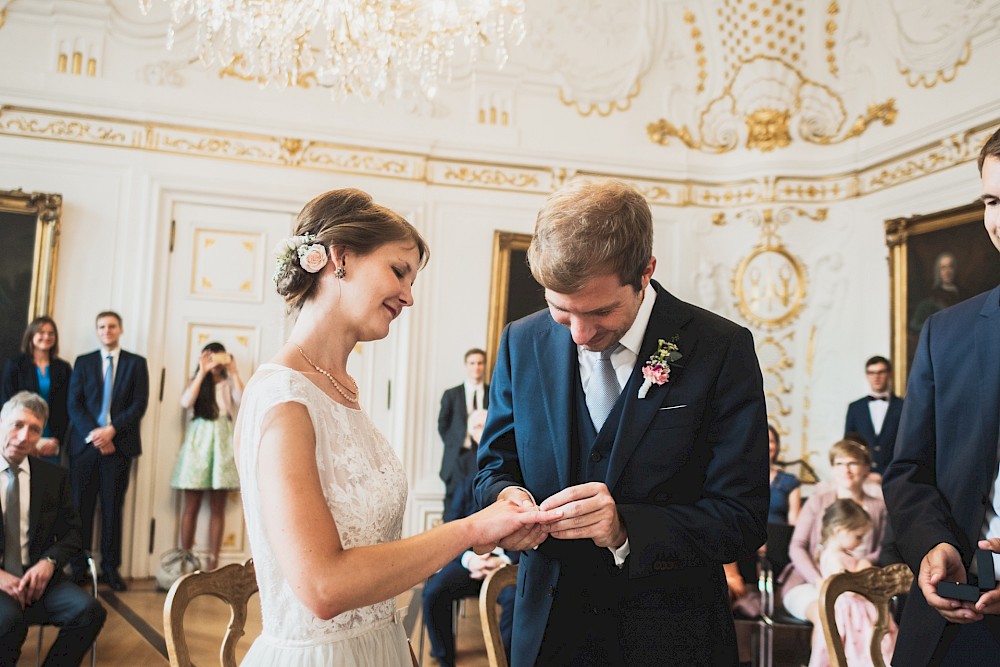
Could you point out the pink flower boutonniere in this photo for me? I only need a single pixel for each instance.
(657, 369)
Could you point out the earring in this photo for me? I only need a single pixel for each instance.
(340, 272)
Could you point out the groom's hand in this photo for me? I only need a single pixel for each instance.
(590, 512)
(527, 537)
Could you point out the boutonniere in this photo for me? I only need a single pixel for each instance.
(657, 369)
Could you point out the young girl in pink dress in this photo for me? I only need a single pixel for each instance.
(845, 526)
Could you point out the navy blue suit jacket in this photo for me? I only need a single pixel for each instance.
(938, 485)
(129, 398)
(688, 468)
(859, 420)
(453, 426)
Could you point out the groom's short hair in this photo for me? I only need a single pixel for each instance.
(591, 227)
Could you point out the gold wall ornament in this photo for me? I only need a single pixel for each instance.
(783, 189)
(770, 98)
(767, 129)
(832, 10)
(602, 109)
(770, 282)
(944, 75)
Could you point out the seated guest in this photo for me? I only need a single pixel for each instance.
(461, 578)
(41, 533)
(851, 463)
(845, 526)
(786, 496)
(39, 369)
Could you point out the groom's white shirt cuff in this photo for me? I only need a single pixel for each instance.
(621, 553)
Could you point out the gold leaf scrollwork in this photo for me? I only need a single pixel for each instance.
(661, 131)
(885, 113)
(491, 177)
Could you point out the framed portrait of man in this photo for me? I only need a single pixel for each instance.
(935, 261)
(514, 292)
(29, 235)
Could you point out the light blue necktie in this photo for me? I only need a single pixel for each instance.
(109, 378)
(603, 389)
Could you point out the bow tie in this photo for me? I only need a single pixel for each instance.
(877, 398)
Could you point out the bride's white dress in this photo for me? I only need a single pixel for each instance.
(365, 490)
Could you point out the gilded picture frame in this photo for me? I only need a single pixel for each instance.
(514, 293)
(29, 234)
(935, 261)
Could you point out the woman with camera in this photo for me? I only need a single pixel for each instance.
(205, 462)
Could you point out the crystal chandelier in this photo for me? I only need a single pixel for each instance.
(365, 48)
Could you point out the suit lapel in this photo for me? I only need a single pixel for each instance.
(987, 343)
(555, 356)
(667, 319)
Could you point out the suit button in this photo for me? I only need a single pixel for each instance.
(552, 591)
(595, 457)
(877, 448)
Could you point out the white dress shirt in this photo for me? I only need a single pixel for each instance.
(878, 410)
(24, 487)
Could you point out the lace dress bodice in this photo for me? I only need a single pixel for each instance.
(365, 490)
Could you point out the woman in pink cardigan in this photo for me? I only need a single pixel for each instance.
(851, 463)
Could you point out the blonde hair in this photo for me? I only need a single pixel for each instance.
(851, 449)
(843, 513)
(351, 219)
(590, 227)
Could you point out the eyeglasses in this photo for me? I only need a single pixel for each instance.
(882, 372)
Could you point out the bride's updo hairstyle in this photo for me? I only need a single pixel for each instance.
(350, 219)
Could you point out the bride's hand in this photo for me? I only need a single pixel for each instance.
(491, 525)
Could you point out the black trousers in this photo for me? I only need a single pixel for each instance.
(78, 615)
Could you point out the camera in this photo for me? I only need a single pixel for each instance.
(221, 358)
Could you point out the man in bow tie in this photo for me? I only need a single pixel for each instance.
(876, 417)
(643, 418)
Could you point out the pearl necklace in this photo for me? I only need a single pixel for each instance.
(336, 385)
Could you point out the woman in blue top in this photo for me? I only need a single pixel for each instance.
(786, 497)
(39, 369)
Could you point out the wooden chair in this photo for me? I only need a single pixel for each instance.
(233, 584)
(488, 616)
(876, 584)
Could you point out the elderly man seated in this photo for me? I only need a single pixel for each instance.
(41, 532)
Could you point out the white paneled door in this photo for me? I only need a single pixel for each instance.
(219, 289)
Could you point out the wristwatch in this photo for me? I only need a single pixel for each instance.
(51, 560)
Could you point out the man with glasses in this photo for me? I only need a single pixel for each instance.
(875, 417)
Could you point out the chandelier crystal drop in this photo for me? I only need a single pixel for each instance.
(364, 48)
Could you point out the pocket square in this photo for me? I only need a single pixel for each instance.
(674, 407)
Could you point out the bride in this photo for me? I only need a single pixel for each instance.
(323, 491)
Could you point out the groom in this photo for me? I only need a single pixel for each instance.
(662, 481)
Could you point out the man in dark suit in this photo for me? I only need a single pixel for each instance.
(462, 578)
(942, 488)
(458, 463)
(876, 417)
(108, 394)
(41, 533)
(643, 419)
